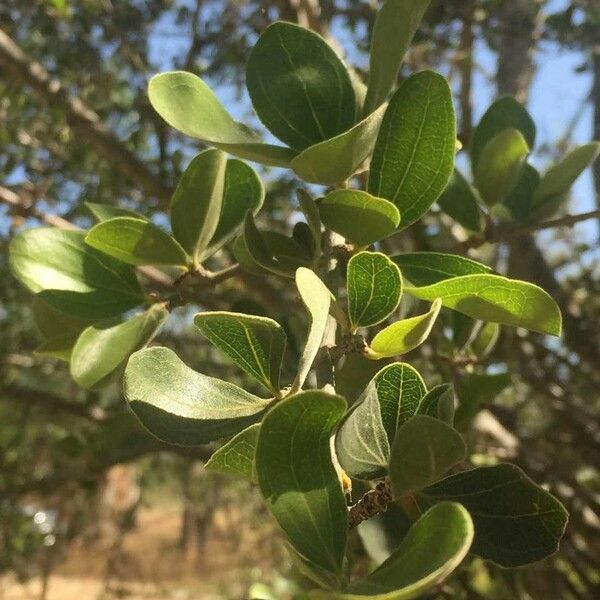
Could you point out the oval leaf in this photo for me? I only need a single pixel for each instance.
(460, 201)
(440, 403)
(236, 457)
(255, 344)
(299, 87)
(183, 407)
(414, 153)
(516, 521)
(103, 212)
(186, 103)
(101, 351)
(518, 205)
(299, 482)
(374, 288)
(361, 218)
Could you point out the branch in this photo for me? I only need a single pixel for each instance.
(373, 503)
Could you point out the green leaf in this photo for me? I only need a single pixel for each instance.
(374, 288)
(434, 546)
(72, 277)
(58, 346)
(183, 407)
(485, 340)
(236, 457)
(186, 103)
(475, 390)
(311, 212)
(500, 166)
(337, 159)
(361, 218)
(102, 350)
(197, 201)
(405, 335)
(426, 268)
(496, 299)
(505, 113)
(353, 374)
(103, 212)
(299, 482)
(52, 323)
(395, 26)
(516, 521)
(518, 205)
(460, 201)
(317, 300)
(414, 153)
(558, 180)
(424, 450)
(255, 344)
(439, 402)
(136, 242)
(299, 87)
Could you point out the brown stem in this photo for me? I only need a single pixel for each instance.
(371, 504)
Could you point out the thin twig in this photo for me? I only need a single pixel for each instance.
(371, 504)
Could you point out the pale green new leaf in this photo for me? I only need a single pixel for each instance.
(183, 407)
(500, 166)
(236, 457)
(395, 26)
(374, 288)
(405, 335)
(434, 547)
(103, 212)
(461, 202)
(424, 450)
(414, 153)
(358, 216)
(186, 103)
(255, 344)
(299, 482)
(299, 87)
(72, 277)
(101, 350)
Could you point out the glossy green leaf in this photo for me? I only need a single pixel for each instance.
(361, 218)
(516, 521)
(299, 87)
(475, 390)
(299, 482)
(500, 166)
(197, 202)
(102, 350)
(434, 547)
(426, 268)
(374, 288)
(313, 219)
(496, 299)
(186, 103)
(136, 242)
(395, 26)
(333, 161)
(103, 212)
(505, 113)
(424, 450)
(461, 202)
(405, 335)
(183, 407)
(414, 153)
(255, 344)
(72, 277)
(317, 300)
(439, 402)
(236, 457)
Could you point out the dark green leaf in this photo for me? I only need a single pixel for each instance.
(476, 390)
(236, 457)
(519, 203)
(311, 212)
(460, 201)
(58, 346)
(439, 402)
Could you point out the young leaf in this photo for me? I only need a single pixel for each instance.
(516, 521)
(505, 113)
(72, 277)
(395, 26)
(311, 212)
(374, 288)
(500, 165)
(496, 299)
(183, 407)
(335, 160)
(255, 344)
(299, 87)
(439, 402)
(361, 218)
(104, 212)
(197, 201)
(236, 457)
(317, 300)
(460, 201)
(299, 482)
(414, 153)
(186, 103)
(434, 546)
(136, 242)
(405, 335)
(424, 450)
(101, 350)
(476, 390)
